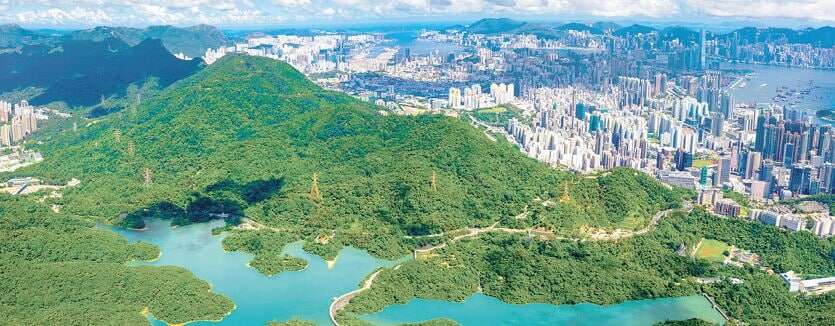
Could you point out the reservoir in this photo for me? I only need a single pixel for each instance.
(307, 294)
(480, 309)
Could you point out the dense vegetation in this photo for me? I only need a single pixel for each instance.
(251, 138)
(688, 322)
(60, 270)
(294, 322)
(247, 136)
(267, 246)
(520, 270)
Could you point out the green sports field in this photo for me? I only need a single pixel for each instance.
(712, 250)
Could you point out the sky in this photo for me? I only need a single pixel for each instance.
(232, 13)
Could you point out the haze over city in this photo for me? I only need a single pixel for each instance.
(249, 13)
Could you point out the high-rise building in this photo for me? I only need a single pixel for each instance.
(703, 176)
(752, 164)
(788, 154)
(502, 93)
(800, 179)
(759, 138)
(580, 111)
(716, 124)
(759, 190)
(454, 97)
(723, 170)
(702, 50)
(726, 104)
(660, 85)
(5, 135)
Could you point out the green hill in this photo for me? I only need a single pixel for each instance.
(247, 136)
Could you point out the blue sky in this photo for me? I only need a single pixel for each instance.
(232, 13)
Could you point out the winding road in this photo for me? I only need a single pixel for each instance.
(472, 232)
(342, 301)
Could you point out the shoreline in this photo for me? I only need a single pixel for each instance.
(147, 313)
(561, 306)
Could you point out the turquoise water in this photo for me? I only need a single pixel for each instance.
(480, 309)
(307, 294)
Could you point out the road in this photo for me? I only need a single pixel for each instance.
(620, 234)
(342, 301)
(472, 232)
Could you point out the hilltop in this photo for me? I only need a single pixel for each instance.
(248, 136)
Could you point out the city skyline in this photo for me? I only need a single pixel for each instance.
(311, 13)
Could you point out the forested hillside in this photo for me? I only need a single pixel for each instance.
(56, 269)
(251, 137)
(517, 270)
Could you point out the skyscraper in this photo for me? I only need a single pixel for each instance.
(759, 139)
(454, 97)
(723, 170)
(726, 104)
(753, 164)
(702, 50)
(788, 155)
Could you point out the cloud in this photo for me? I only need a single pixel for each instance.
(60, 16)
(254, 12)
(813, 9)
(291, 3)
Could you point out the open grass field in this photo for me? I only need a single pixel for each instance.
(712, 250)
(702, 163)
(498, 109)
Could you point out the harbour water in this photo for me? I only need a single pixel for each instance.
(307, 294)
(804, 88)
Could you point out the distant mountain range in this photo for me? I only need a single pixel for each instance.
(81, 72)
(821, 37)
(191, 41)
(13, 36)
(494, 26)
